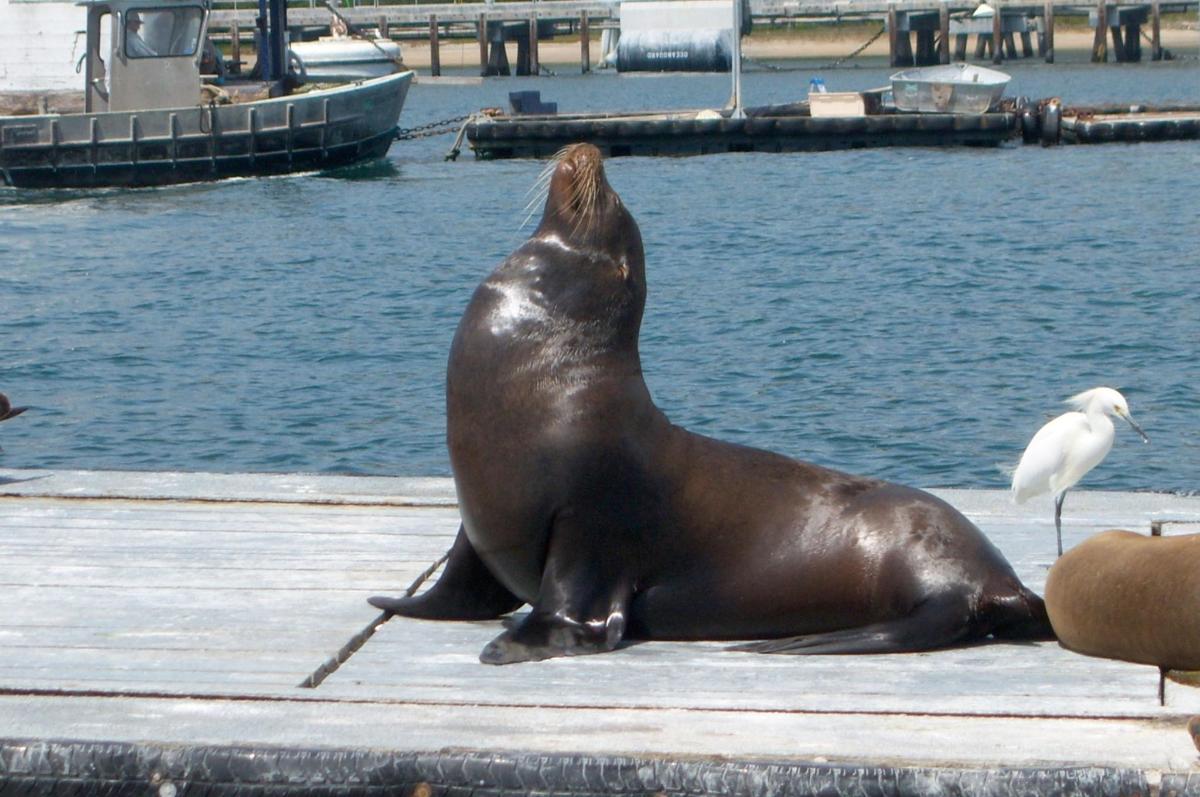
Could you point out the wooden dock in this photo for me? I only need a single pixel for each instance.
(155, 629)
(920, 32)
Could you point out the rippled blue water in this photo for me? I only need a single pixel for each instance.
(914, 314)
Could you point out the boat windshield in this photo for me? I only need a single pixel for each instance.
(162, 32)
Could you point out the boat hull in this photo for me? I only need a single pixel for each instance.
(308, 132)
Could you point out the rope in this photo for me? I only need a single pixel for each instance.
(358, 640)
(432, 129)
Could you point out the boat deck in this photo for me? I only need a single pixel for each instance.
(157, 627)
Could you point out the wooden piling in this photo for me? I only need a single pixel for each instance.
(235, 48)
(1155, 33)
(1047, 37)
(585, 43)
(944, 33)
(893, 36)
(534, 68)
(926, 53)
(1118, 44)
(483, 44)
(1100, 40)
(435, 50)
(960, 47)
(997, 35)
(383, 27)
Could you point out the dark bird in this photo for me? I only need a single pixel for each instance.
(7, 410)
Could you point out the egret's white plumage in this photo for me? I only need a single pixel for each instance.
(1066, 448)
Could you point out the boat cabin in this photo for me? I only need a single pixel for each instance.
(143, 54)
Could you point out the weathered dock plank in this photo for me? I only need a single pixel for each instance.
(172, 613)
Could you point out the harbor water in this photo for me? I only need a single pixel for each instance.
(913, 314)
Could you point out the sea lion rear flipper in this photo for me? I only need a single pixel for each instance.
(936, 623)
(467, 590)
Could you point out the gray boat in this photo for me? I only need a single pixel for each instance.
(149, 120)
(952, 88)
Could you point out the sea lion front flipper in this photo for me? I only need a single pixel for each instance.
(581, 604)
(936, 623)
(467, 590)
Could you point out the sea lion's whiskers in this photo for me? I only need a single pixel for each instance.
(539, 190)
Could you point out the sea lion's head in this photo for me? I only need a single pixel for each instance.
(603, 281)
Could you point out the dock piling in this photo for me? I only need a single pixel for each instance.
(1100, 40)
(435, 54)
(483, 45)
(585, 42)
(1046, 39)
(1155, 33)
(944, 35)
(997, 34)
(534, 66)
(235, 48)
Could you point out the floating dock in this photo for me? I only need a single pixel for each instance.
(157, 627)
(791, 128)
(699, 133)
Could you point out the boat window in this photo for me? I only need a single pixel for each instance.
(162, 32)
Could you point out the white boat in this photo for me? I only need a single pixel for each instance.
(339, 59)
(149, 120)
(951, 88)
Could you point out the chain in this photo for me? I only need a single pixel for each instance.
(830, 65)
(432, 129)
(868, 43)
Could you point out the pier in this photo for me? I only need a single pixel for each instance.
(920, 32)
(162, 634)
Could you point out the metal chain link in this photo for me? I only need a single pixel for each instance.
(432, 129)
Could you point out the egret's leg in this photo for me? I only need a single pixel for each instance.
(1058, 502)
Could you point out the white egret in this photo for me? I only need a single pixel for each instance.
(1068, 447)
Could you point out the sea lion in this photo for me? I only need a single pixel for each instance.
(7, 410)
(579, 497)
(1128, 596)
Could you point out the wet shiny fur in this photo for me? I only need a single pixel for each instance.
(579, 497)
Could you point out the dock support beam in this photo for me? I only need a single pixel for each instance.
(1047, 37)
(1100, 40)
(235, 48)
(1155, 33)
(944, 35)
(585, 44)
(893, 36)
(997, 34)
(483, 45)
(435, 50)
(534, 66)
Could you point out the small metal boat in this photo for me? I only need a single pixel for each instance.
(952, 88)
(149, 120)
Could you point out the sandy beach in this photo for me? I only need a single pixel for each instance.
(830, 44)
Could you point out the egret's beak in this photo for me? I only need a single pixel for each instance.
(1136, 428)
(14, 412)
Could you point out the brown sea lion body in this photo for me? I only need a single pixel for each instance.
(1129, 596)
(579, 497)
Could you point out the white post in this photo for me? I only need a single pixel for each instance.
(735, 102)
